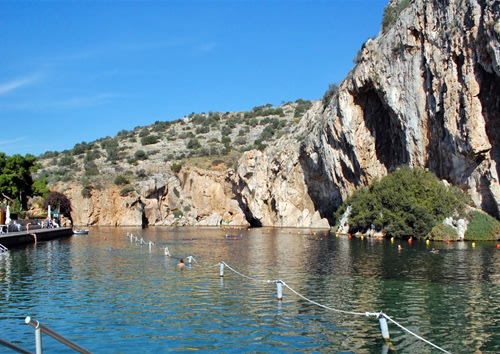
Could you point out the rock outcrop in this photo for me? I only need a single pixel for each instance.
(424, 93)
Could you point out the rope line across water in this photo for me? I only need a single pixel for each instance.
(367, 314)
(141, 241)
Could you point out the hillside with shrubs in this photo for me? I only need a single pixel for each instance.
(212, 141)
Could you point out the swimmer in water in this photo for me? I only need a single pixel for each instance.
(181, 264)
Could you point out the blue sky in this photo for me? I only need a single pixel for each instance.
(77, 71)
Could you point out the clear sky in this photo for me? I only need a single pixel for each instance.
(77, 71)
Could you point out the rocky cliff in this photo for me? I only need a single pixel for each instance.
(425, 92)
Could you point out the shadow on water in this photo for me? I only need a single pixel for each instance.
(112, 294)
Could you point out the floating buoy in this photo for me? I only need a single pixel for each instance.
(384, 329)
(221, 270)
(473, 244)
(279, 290)
(427, 241)
(392, 239)
(498, 246)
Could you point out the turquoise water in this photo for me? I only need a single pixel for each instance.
(111, 295)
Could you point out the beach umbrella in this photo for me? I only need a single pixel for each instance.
(7, 216)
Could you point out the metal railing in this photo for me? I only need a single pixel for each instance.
(39, 328)
(13, 347)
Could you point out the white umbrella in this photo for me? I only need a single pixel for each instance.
(7, 216)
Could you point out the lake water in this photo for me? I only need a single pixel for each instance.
(111, 295)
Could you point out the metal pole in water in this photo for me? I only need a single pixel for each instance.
(279, 290)
(221, 273)
(383, 328)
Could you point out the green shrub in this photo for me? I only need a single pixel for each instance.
(66, 161)
(482, 227)
(407, 202)
(91, 155)
(176, 167)
(193, 144)
(442, 232)
(177, 213)
(81, 148)
(141, 174)
(301, 107)
(202, 130)
(121, 180)
(87, 191)
(391, 13)
(140, 155)
(144, 132)
(91, 169)
(126, 190)
(149, 139)
(333, 89)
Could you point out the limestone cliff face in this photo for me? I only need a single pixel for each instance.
(425, 93)
(272, 187)
(192, 197)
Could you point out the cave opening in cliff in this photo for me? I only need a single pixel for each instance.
(385, 127)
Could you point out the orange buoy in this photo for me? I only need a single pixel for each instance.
(498, 246)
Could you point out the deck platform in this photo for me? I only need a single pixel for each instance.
(20, 238)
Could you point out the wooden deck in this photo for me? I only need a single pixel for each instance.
(16, 239)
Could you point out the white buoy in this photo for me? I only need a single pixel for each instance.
(166, 251)
(279, 290)
(221, 272)
(383, 328)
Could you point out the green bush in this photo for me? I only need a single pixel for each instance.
(121, 180)
(176, 167)
(87, 192)
(442, 232)
(91, 169)
(391, 13)
(193, 144)
(149, 139)
(66, 161)
(141, 174)
(407, 202)
(126, 190)
(301, 108)
(91, 155)
(177, 213)
(144, 132)
(482, 227)
(333, 89)
(140, 155)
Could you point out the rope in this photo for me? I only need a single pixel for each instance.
(414, 334)
(246, 276)
(367, 314)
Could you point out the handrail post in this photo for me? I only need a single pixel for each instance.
(39, 328)
(38, 333)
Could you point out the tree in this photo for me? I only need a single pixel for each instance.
(59, 202)
(15, 177)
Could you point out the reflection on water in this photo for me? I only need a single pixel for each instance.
(111, 295)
